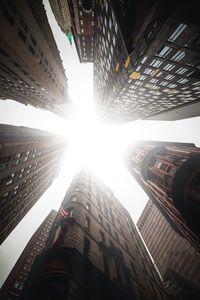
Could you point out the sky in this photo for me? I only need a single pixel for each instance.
(90, 144)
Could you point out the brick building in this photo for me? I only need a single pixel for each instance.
(31, 70)
(13, 286)
(29, 161)
(172, 253)
(94, 251)
(169, 173)
(146, 60)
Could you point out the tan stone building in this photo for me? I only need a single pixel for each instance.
(29, 161)
(94, 251)
(171, 252)
(14, 284)
(31, 70)
(169, 173)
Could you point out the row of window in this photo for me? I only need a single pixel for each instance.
(33, 46)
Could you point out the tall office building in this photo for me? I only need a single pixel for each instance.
(13, 286)
(77, 17)
(29, 161)
(94, 251)
(170, 175)
(31, 70)
(146, 59)
(177, 261)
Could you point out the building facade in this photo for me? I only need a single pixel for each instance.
(94, 251)
(13, 286)
(171, 253)
(29, 161)
(170, 174)
(31, 70)
(77, 16)
(146, 60)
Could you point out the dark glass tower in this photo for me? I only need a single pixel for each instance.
(146, 59)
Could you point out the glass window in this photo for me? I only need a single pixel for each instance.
(181, 27)
(181, 71)
(169, 77)
(178, 56)
(88, 206)
(144, 59)
(86, 246)
(168, 67)
(87, 222)
(164, 51)
(100, 219)
(73, 198)
(156, 63)
(182, 81)
(102, 236)
(116, 235)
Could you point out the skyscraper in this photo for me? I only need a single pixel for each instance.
(173, 255)
(77, 17)
(146, 60)
(29, 161)
(95, 251)
(170, 173)
(14, 284)
(31, 70)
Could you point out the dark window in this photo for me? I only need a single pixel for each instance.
(100, 219)
(86, 246)
(3, 52)
(127, 248)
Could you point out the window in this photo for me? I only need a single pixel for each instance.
(178, 56)
(88, 206)
(86, 246)
(144, 59)
(182, 80)
(164, 51)
(70, 210)
(147, 71)
(181, 27)
(9, 182)
(73, 198)
(169, 77)
(156, 63)
(23, 29)
(102, 236)
(100, 219)
(116, 235)
(108, 226)
(87, 222)
(181, 71)
(127, 248)
(168, 67)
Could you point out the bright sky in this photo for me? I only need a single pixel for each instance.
(90, 143)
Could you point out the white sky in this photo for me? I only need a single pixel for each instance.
(91, 143)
